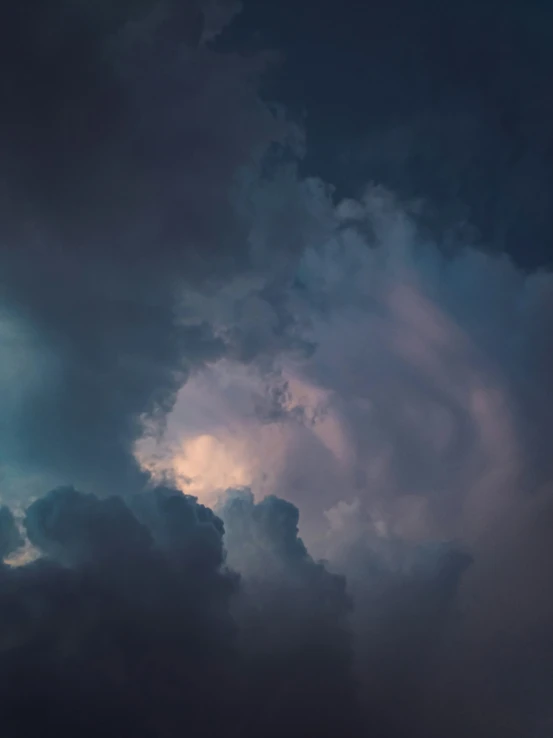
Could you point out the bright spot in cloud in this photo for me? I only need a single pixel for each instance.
(206, 464)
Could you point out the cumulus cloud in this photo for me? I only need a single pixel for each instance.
(413, 437)
(180, 312)
(122, 145)
(113, 626)
(132, 621)
(294, 618)
(424, 396)
(156, 614)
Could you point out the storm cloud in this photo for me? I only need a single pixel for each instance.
(298, 444)
(131, 621)
(414, 439)
(122, 141)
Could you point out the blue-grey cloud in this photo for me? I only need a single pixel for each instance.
(131, 619)
(332, 353)
(122, 140)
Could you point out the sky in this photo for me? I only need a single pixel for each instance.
(276, 338)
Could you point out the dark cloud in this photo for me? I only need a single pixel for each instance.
(121, 143)
(422, 415)
(448, 102)
(396, 390)
(406, 616)
(113, 630)
(10, 537)
(217, 15)
(132, 618)
(132, 622)
(294, 624)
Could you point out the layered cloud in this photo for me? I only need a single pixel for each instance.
(122, 141)
(421, 391)
(413, 435)
(182, 312)
(131, 622)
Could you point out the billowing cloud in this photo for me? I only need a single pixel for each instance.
(413, 437)
(418, 398)
(122, 143)
(178, 311)
(155, 614)
(131, 621)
